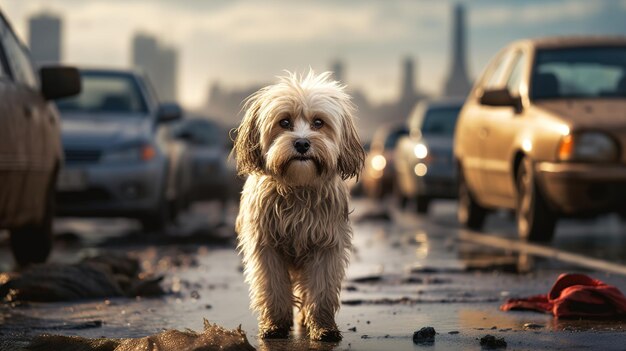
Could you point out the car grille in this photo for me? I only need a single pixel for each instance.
(82, 156)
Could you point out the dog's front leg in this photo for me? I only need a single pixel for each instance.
(270, 291)
(322, 276)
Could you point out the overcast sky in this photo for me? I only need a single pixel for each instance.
(244, 42)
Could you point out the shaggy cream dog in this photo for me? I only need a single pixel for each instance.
(297, 144)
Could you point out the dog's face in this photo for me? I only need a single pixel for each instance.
(299, 131)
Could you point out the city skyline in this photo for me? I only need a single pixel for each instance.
(243, 43)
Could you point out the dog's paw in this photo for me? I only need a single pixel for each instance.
(326, 335)
(275, 333)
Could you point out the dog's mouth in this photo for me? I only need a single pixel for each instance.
(318, 165)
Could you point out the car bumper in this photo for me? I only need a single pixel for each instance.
(125, 190)
(437, 187)
(574, 188)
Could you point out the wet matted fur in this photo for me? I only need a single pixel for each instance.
(293, 228)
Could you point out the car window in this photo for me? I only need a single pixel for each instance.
(18, 59)
(515, 77)
(200, 132)
(440, 121)
(583, 72)
(493, 76)
(106, 92)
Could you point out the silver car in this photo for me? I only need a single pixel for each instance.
(118, 159)
(424, 163)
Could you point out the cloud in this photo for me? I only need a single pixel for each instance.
(534, 13)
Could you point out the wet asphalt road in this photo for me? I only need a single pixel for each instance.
(407, 272)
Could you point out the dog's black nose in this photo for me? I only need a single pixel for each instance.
(302, 145)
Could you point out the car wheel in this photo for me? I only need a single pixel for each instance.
(158, 220)
(422, 204)
(401, 199)
(470, 214)
(33, 243)
(535, 220)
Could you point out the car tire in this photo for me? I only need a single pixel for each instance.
(470, 214)
(536, 222)
(157, 221)
(422, 203)
(33, 243)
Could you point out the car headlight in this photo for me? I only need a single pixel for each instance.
(588, 146)
(138, 153)
(379, 162)
(420, 151)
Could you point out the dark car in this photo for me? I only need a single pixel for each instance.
(213, 176)
(543, 133)
(379, 174)
(120, 161)
(424, 162)
(30, 146)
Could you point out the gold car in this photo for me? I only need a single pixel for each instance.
(542, 132)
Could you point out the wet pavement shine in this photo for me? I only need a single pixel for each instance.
(407, 272)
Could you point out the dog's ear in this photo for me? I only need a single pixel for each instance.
(352, 154)
(247, 147)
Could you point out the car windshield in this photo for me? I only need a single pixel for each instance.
(593, 72)
(200, 132)
(393, 137)
(440, 121)
(106, 93)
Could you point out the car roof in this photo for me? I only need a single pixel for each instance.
(560, 42)
(111, 71)
(445, 102)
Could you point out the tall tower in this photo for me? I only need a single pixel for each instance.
(458, 82)
(44, 38)
(337, 69)
(158, 62)
(407, 92)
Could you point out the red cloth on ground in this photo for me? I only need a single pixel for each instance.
(575, 295)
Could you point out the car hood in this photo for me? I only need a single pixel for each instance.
(593, 113)
(102, 131)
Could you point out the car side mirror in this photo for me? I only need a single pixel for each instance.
(59, 82)
(498, 97)
(169, 112)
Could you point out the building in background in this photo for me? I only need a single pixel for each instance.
(458, 83)
(45, 34)
(338, 71)
(159, 62)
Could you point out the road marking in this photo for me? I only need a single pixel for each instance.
(542, 251)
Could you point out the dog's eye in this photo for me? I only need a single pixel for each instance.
(284, 123)
(318, 123)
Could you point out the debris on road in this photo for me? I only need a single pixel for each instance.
(213, 337)
(107, 275)
(492, 342)
(532, 326)
(425, 335)
(575, 295)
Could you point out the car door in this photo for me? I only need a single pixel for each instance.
(14, 161)
(502, 125)
(34, 117)
(472, 132)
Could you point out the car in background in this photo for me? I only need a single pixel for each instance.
(378, 174)
(543, 132)
(30, 146)
(213, 176)
(119, 161)
(423, 160)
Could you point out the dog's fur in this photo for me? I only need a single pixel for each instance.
(293, 228)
